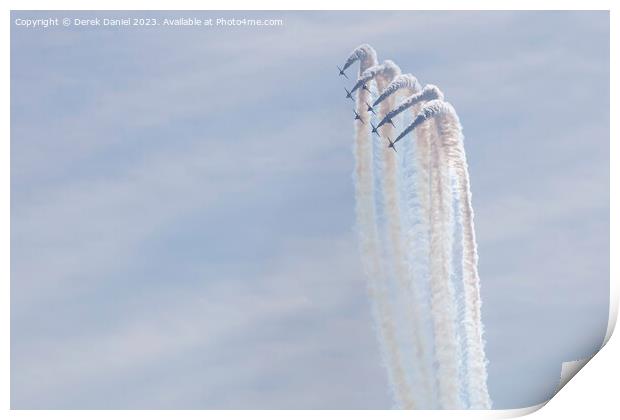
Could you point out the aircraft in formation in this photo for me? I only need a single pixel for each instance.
(392, 144)
(349, 94)
(369, 108)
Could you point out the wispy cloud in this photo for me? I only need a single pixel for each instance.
(310, 297)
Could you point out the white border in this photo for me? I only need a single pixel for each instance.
(597, 385)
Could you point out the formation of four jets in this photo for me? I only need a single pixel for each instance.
(369, 109)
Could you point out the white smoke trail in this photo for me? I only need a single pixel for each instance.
(395, 246)
(417, 184)
(413, 237)
(419, 212)
(404, 81)
(433, 219)
(407, 243)
(448, 141)
(406, 298)
(442, 291)
(396, 261)
(451, 133)
(429, 110)
(368, 236)
(388, 70)
(429, 93)
(434, 170)
(365, 54)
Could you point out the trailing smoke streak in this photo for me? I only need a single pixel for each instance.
(416, 214)
(442, 291)
(434, 190)
(388, 70)
(407, 296)
(422, 248)
(404, 81)
(456, 279)
(451, 134)
(394, 227)
(396, 262)
(365, 54)
(406, 223)
(429, 110)
(429, 93)
(449, 139)
(368, 235)
(412, 277)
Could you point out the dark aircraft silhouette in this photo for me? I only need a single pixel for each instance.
(370, 109)
(349, 94)
(392, 145)
(342, 73)
(357, 117)
(366, 88)
(374, 129)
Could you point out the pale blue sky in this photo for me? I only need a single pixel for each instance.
(182, 205)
